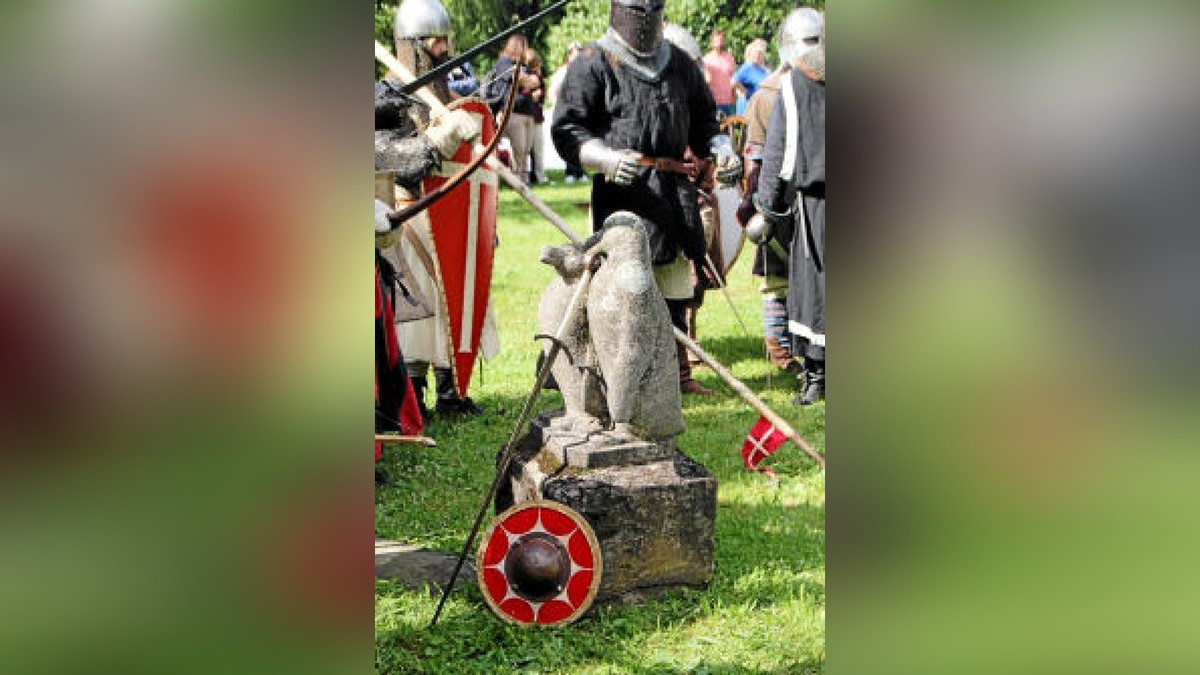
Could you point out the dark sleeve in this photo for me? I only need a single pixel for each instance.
(704, 123)
(772, 193)
(579, 111)
(496, 88)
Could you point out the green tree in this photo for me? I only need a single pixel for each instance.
(741, 20)
(477, 20)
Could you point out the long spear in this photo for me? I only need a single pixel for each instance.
(577, 299)
(437, 107)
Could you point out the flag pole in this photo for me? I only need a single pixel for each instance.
(750, 397)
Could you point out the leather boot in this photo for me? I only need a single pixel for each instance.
(781, 356)
(686, 384)
(448, 400)
(814, 386)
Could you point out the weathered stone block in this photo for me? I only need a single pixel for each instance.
(654, 520)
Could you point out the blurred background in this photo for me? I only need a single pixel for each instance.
(184, 352)
(1015, 334)
(184, 378)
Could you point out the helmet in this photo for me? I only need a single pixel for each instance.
(422, 19)
(799, 33)
(639, 24)
(680, 37)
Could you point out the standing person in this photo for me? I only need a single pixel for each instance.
(631, 99)
(537, 172)
(719, 66)
(404, 156)
(791, 193)
(519, 130)
(462, 80)
(750, 73)
(422, 41)
(801, 30)
(574, 172)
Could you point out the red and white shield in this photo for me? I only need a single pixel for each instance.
(464, 243)
(539, 564)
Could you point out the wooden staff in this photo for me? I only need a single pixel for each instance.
(437, 107)
(406, 440)
(750, 397)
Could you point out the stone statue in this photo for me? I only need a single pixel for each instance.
(618, 374)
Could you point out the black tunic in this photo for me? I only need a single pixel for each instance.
(601, 98)
(806, 276)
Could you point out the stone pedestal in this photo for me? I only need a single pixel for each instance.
(652, 508)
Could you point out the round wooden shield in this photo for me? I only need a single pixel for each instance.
(539, 564)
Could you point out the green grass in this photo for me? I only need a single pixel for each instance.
(764, 611)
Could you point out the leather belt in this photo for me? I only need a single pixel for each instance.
(666, 164)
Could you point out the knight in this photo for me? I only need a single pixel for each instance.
(791, 198)
(630, 107)
(424, 39)
(403, 155)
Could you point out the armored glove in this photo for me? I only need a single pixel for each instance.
(447, 132)
(382, 224)
(618, 166)
(759, 230)
(729, 165)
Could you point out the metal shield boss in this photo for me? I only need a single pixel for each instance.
(464, 242)
(539, 564)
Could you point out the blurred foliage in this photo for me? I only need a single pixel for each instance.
(585, 20)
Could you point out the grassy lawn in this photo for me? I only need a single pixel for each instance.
(764, 611)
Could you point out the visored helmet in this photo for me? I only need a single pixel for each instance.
(639, 23)
(800, 33)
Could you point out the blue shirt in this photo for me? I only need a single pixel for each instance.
(749, 75)
(462, 80)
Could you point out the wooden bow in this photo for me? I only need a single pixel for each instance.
(429, 198)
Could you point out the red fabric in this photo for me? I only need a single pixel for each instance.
(407, 412)
(763, 440)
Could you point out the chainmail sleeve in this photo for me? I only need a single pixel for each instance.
(408, 157)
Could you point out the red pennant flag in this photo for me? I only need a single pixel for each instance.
(763, 440)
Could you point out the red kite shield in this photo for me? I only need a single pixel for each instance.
(464, 242)
(539, 564)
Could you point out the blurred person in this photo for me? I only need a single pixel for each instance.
(719, 66)
(630, 108)
(462, 80)
(750, 73)
(801, 29)
(520, 129)
(574, 172)
(537, 172)
(423, 34)
(791, 194)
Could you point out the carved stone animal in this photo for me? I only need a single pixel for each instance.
(624, 376)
